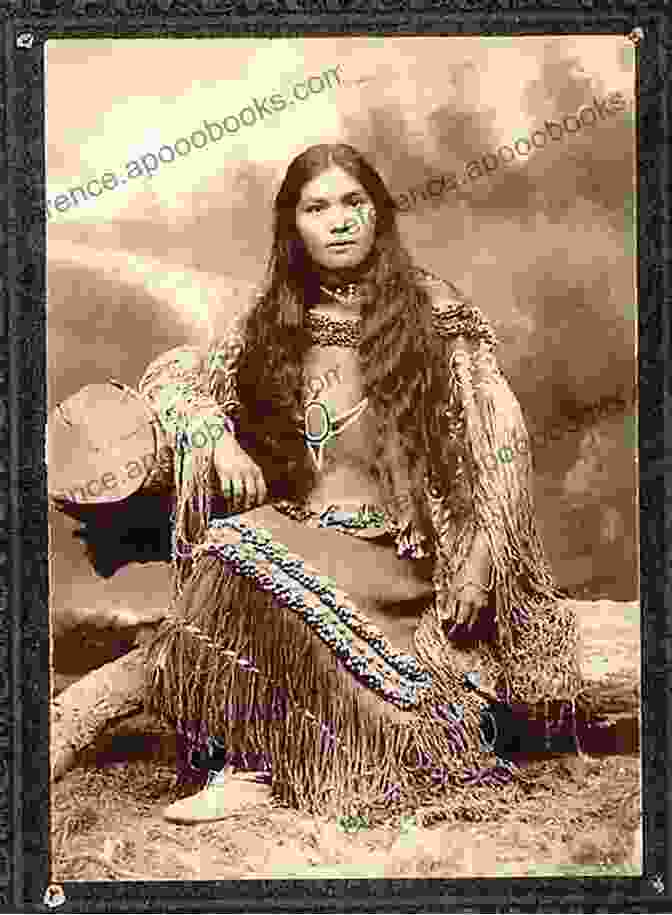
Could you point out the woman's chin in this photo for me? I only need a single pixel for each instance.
(342, 259)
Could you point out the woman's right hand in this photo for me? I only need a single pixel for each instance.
(241, 480)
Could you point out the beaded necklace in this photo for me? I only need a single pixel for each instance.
(327, 331)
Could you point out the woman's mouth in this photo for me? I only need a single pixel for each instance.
(341, 244)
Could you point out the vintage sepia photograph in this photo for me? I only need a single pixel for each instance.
(342, 350)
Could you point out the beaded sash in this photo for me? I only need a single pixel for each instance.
(359, 645)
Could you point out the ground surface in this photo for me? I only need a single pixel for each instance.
(581, 815)
(580, 818)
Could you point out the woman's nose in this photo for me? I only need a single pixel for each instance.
(344, 223)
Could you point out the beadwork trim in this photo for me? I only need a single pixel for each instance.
(462, 320)
(366, 518)
(325, 608)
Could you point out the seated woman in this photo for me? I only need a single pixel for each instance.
(377, 579)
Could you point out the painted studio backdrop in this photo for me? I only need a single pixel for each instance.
(513, 163)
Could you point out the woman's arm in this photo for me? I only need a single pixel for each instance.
(193, 395)
(189, 387)
(472, 586)
(485, 524)
(176, 386)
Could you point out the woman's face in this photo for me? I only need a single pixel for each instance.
(336, 220)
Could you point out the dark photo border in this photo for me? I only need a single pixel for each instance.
(25, 25)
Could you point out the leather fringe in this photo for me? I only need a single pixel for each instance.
(234, 658)
(535, 654)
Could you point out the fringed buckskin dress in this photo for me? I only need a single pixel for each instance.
(309, 636)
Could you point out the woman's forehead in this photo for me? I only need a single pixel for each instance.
(332, 183)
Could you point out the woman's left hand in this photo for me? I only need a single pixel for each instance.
(471, 591)
(470, 600)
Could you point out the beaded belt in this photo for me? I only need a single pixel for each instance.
(359, 645)
(365, 521)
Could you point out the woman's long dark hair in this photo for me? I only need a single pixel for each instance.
(403, 375)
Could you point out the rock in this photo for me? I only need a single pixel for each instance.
(611, 657)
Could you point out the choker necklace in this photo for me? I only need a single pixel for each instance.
(344, 295)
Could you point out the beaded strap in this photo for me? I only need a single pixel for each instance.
(251, 552)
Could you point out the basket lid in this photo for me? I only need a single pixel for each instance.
(101, 445)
